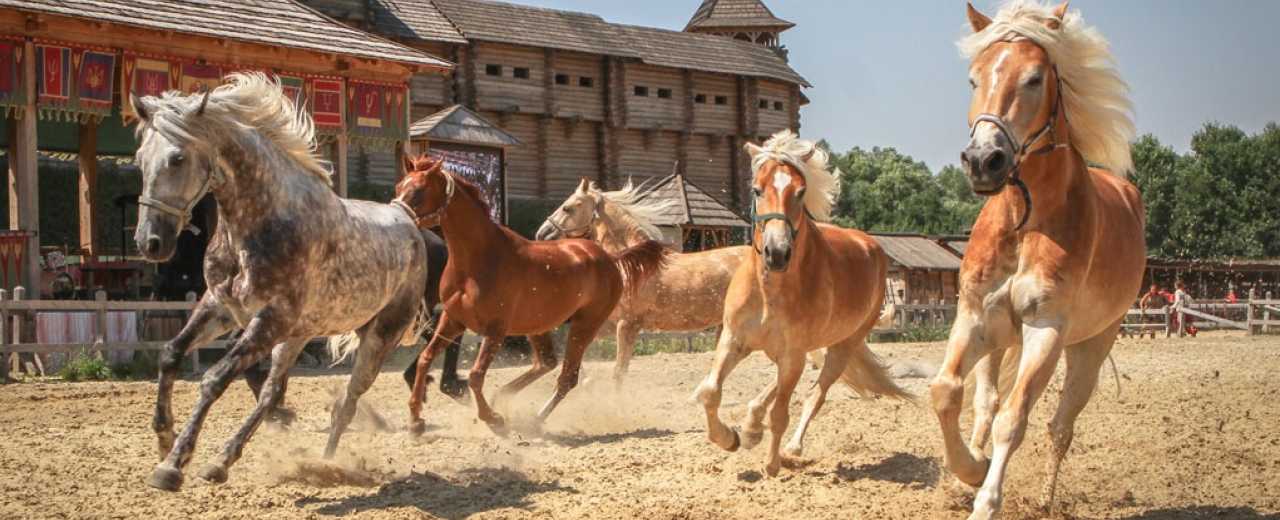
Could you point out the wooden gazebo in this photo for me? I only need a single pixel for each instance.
(697, 221)
(66, 69)
(472, 147)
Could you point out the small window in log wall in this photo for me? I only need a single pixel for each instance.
(722, 100)
(777, 105)
(641, 91)
(493, 70)
(521, 72)
(700, 98)
(664, 93)
(764, 104)
(562, 79)
(586, 82)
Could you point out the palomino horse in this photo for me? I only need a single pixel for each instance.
(810, 285)
(1053, 262)
(289, 261)
(688, 295)
(498, 283)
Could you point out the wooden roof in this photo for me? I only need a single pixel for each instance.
(695, 207)
(735, 13)
(917, 252)
(456, 21)
(458, 124)
(278, 23)
(535, 26)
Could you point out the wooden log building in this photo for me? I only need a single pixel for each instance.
(594, 99)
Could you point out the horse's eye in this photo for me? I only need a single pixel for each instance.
(800, 192)
(756, 191)
(1035, 81)
(176, 160)
(973, 84)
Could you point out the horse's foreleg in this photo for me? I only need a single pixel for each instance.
(208, 321)
(986, 399)
(728, 353)
(544, 361)
(581, 332)
(446, 332)
(790, 368)
(262, 333)
(1042, 345)
(833, 365)
(753, 428)
(626, 333)
(965, 347)
(283, 357)
(370, 354)
(488, 349)
(1084, 362)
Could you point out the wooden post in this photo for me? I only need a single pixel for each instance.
(1266, 315)
(88, 194)
(340, 145)
(1248, 310)
(4, 336)
(100, 314)
(36, 367)
(195, 354)
(24, 200)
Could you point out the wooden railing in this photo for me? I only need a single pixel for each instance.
(17, 317)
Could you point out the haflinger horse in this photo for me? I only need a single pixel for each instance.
(1056, 255)
(805, 285)
(688, 295)
(289, 261)
(498, 283)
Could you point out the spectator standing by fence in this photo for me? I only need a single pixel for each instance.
(1181, 300)
(1155, 298)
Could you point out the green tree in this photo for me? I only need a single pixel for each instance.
(1155, 173)
(887, 191)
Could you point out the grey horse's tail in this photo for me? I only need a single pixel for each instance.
(341, 347)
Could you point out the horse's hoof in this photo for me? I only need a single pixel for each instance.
(771, 469)
(458, 389)
(165, 478)
(751, 437)
(282, 416)
(418, 427)
(737, 442)
(793, 450)
(213, 473)
(498, 425)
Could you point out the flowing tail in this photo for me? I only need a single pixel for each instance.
(640, 262)
(341, 347)
(867, 376)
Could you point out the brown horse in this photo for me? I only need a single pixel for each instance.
(497, 283)
(1053, 263)
(808, 286)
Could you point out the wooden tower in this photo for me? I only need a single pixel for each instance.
(747, 20)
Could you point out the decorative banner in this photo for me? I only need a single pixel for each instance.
(293, 88)
(196, 77)
(144, 77)
(482, 167)
(95, 82)
(12, 95)
(53, 76)
(379, 113)
(327, 105)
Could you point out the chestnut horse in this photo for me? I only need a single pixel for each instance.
(1053, 263)
(498, 283)
(810, 285)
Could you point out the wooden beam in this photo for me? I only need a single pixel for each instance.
(88, 193)
(24, 190)
(340, 150)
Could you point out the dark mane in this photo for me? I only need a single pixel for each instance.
(469, 187)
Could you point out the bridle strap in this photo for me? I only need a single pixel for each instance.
(758, 220)
(449, 189)
(1020, 150)
(184, 213)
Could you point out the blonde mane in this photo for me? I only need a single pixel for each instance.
(1094, 96)
(823, 185)
(247, 101)
(639, 210)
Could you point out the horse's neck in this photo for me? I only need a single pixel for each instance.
(260, 182)
(469, 233)
(617, 230)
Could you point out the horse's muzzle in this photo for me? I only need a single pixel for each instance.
(988, 162)
(157, 238)
(547, 231)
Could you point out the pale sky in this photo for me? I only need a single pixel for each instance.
(888, 74)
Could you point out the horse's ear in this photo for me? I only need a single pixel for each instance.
(140, 107)
(584, 185)
(408, 164)
(977, 20)
(1059, 14)
(752, 149)
(204, 101)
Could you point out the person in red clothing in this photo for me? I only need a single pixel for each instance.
(1156, 298)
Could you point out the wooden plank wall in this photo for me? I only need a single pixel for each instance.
(710, 117)
(574, 100)
(639, 161)
(772, 119)
(506, 92)
(522, 161)
(709, 166)
(432, 88)
(652, 111)
(573, 154)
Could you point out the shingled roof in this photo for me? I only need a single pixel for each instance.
(524, 25)
(414, 19)
(278, 23)
(694, 207)
(708, 53)
(458, 124)
(917, 252)
(735, 13)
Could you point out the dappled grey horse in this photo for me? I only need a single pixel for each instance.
(290, 260)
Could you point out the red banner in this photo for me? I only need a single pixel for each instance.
(145, 77)
(53, 75)
(196, 77)
(12, 95)
(327, 104)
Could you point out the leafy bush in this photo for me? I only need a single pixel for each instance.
(85, 367)
(142, 366)
(917, 334)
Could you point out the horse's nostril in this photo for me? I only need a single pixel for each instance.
(153, 246)
(994, 162)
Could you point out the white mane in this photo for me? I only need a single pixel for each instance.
(248, 101)
(823, 185)
(1094, 96)
(643, 211)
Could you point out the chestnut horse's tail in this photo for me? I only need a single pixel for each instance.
(867, 376)
(640, 262)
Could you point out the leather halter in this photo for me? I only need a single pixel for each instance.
(184, 213)
(449, 189)
(565, 233)
(759, 220)
(1020, 151)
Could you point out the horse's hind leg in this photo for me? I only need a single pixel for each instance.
(1084, 362)
(375, 344)
(836, 359)
(260, 335)
(283, 357)
(544, 361)
(627, 330)
(208, 321)
(581, 333)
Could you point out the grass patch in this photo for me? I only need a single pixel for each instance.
(86, 367)
(916, 334)
(606, 348)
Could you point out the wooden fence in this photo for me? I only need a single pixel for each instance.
(17, 319)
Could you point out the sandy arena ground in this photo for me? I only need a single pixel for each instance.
(1194, 433)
